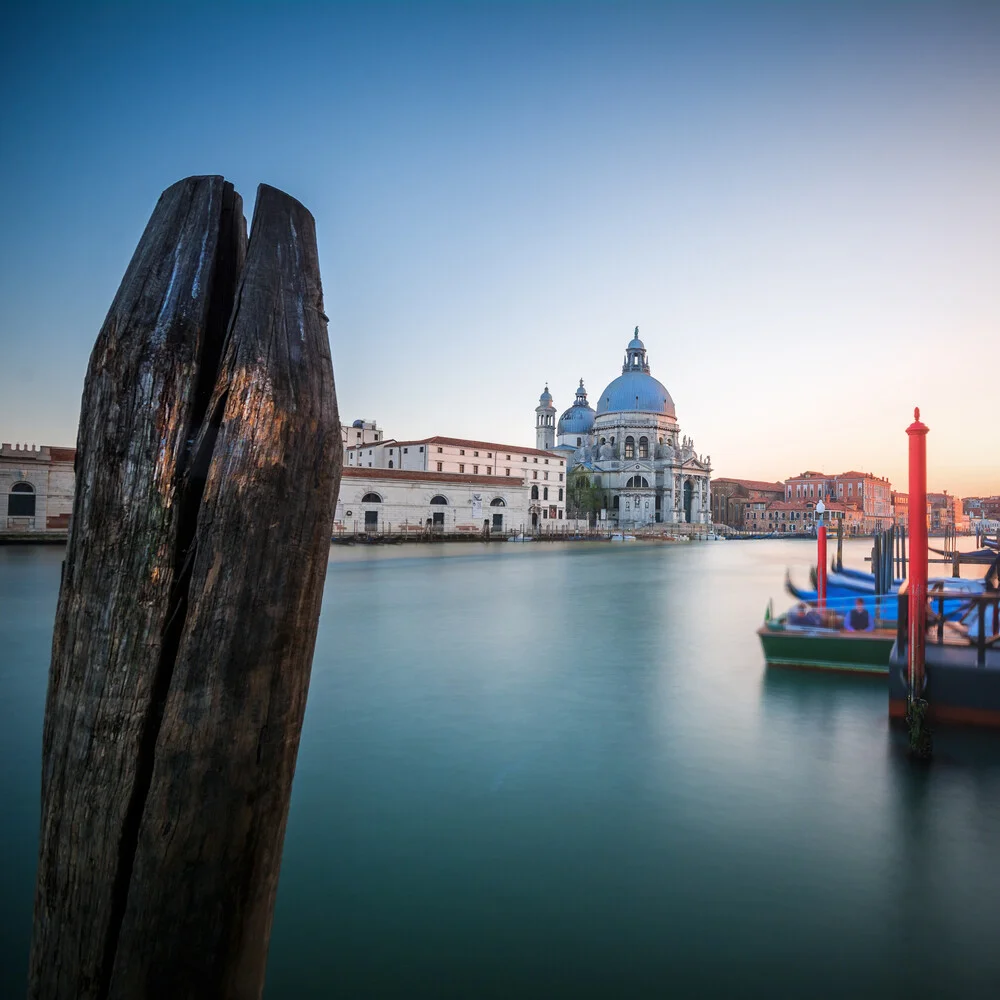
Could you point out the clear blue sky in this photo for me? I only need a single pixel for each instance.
(798, 204)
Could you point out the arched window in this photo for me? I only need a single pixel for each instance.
(371, 498)
(534, 492)
(390, 463)
(560, 493)
(617, 502)
(439, 499)
(545, 493)
(21, 502)
(498, 502)
(637, 483)
(630, 447)
(644, 447)
(604, 440)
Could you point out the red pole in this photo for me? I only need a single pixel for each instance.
(821, 564)
(917, 517)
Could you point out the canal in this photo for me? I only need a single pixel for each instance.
(562, 770)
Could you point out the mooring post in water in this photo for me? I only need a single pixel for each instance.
(821, 556)
(207, 463)
(916, 705)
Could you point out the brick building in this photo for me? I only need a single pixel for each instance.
(730, 498)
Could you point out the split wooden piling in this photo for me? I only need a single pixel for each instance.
(208, 460)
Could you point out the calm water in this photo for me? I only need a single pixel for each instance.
(539, 771)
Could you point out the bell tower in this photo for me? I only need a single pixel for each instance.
(545, 422)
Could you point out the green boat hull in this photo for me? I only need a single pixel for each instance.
(852, 652)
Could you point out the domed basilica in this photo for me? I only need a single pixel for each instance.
(630, 448)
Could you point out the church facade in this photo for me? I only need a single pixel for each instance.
(630, 448)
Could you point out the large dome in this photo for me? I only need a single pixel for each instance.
(636, 390)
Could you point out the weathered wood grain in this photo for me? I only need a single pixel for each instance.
(215, 817)
(138, 413)
(188, 615)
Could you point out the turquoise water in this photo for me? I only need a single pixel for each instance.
(558, 770)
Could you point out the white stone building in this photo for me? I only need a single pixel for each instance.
(414, 501)
(543, 473)
(632, 448)
(359, 433)
(36, 489)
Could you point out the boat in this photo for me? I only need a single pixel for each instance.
(619, 536)
(847, 585)
(826, 644)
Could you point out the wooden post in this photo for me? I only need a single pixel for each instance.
(207, 467)
(920, 739)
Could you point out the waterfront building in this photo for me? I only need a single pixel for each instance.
(415, 501)
(870, 494)
(945, 513)
(983, 512)
(630, 449)
(900, 509)
(731, 497)
(36, 489)
(541, 472)
(794, 516)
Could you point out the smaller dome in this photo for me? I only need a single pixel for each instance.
(358, 423)
(546, 397)
(635, 344)
(579, 418)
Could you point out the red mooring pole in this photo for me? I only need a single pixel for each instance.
(917, 581)
(821, 564)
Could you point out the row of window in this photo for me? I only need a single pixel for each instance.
(545, 493)
(489, 454)
(439, 500)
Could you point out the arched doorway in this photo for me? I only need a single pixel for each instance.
(437, 516)
(497, 515)
(371, 516)
(688, 499)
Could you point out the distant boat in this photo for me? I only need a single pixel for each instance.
(620, 537)
(520, 538)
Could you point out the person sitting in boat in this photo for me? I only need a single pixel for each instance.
(799, 614)
(804, 616)
(858, 619)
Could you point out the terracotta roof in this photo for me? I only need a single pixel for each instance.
(355, 472)
(751, 484)
(853, 474)
(461, 443)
